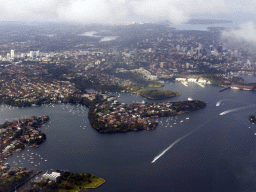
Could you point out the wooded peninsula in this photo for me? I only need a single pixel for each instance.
(157, 93)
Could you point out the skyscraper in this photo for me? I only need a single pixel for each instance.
(31, 53)
(12, 53)
(37, 53)
(8, 57)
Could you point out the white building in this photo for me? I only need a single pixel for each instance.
(152, 77)
(200, 80)
(51, 176)
(180, 79)
(37, 53)
(31, 53)
(12, 53)
(192, 80)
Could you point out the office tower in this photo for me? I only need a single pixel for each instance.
(31, 53)
(8, 57)
(220, 49)
(37, 53)
(12, 53)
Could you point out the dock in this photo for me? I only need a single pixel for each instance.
(223, 89)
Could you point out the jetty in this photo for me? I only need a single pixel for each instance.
(223, 89)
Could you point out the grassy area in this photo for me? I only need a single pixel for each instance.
(96, 182)
(106, 112)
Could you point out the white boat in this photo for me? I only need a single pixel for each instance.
(235, 88)
(184, 83)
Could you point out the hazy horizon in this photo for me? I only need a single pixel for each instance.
(119, 11)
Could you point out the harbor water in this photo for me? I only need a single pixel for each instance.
(217, 154)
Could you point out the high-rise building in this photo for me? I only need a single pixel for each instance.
(198, 51)
(220, 49)
(8, 57)
(178, 47)
(37, 53)
(31, 53)
(162, 64)
(12, 53)
(216, 52)
(191, 52)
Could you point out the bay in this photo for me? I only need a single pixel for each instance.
(103, 38)
(218, 156)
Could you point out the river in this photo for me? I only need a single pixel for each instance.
(218, 156)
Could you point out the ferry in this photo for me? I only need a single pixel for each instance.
(235, 88)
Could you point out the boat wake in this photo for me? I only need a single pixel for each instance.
(219, 102)
(183, 137)
(237, 109)
(176, 141)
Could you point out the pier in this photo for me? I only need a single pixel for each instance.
(223, 89)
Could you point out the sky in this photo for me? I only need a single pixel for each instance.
(120, 11)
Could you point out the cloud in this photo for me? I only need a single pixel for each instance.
(116, 11)
(28, 10)
(177, 11)
(99, 11)
(246, 32)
